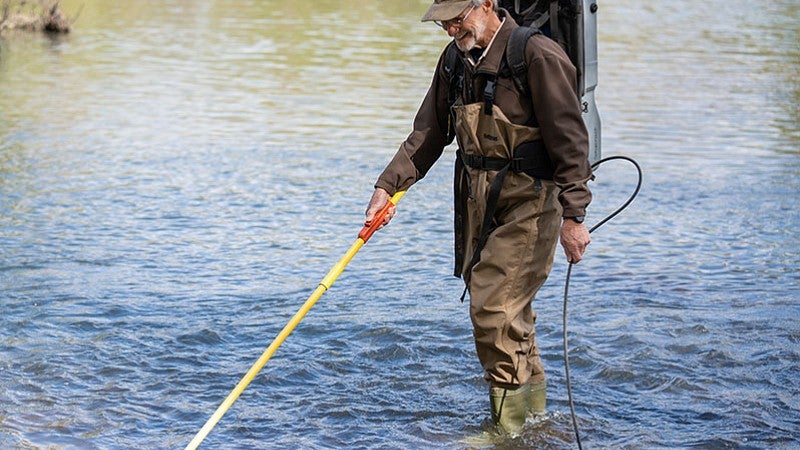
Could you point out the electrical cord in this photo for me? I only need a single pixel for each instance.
(566, 285)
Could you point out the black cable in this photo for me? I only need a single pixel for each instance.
(566, 285)
(630, 199)
(566, 362)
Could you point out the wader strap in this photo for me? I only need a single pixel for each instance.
(486, 225)
(459, 208)
(529, 157)
(488, 94)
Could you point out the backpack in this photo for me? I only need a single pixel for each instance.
(560, 20)
(573, 25)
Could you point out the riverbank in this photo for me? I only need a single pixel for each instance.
(42, 15)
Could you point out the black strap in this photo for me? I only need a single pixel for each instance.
(482, 162)
(460, 187)
(529, 157)
(486, 225)
(515, 56)
(514, 164)
(488, 94)
(454, 72)
(554, 26)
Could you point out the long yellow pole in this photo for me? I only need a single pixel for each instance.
(324, 285)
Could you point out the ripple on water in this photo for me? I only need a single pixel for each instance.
(149, 257)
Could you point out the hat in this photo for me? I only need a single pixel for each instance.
(445, 9)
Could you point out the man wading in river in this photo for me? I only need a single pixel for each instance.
(508, 215)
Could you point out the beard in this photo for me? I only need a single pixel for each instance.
(466, 39)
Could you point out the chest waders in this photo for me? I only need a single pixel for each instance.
(494, 152)
(492, 146)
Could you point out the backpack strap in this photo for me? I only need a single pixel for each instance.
(515, 56)
(454, 72)
(555, 30)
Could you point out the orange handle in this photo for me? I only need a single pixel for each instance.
(377, 221)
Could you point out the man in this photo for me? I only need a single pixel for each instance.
(508, 215)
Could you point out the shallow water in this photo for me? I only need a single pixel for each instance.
(176, 179)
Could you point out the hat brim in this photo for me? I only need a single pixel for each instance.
(445, 11)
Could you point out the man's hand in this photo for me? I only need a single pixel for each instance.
(378, 201)
(574, 239)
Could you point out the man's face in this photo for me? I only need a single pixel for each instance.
(467, 28)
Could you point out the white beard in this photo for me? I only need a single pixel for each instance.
(466, 44)
(468, 41)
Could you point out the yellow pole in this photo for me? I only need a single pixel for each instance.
(324, 285)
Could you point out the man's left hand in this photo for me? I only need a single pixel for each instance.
(574, 239)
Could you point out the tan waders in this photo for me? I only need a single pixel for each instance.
(514, 263)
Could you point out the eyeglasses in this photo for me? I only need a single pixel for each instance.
(454, 22)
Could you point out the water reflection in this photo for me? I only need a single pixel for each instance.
(174, 179)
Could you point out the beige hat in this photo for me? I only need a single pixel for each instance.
(445, 9)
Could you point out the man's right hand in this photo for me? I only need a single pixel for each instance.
(378, 201)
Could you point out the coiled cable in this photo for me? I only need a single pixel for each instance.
(569, 274)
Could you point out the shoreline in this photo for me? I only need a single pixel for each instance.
(39, 16)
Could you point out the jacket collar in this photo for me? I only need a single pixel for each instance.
(490, 62)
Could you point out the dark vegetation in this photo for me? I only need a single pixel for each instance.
(33, 15)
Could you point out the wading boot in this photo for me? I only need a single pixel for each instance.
(538, 398)
(510, 407)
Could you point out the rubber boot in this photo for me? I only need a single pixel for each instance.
(538, 398)
(510, 407)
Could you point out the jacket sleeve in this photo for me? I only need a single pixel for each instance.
(552, 80)
(427, 140)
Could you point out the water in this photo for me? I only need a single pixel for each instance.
(176, 178)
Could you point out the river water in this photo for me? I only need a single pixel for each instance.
(176, 177)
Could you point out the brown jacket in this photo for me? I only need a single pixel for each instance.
(554, 106)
